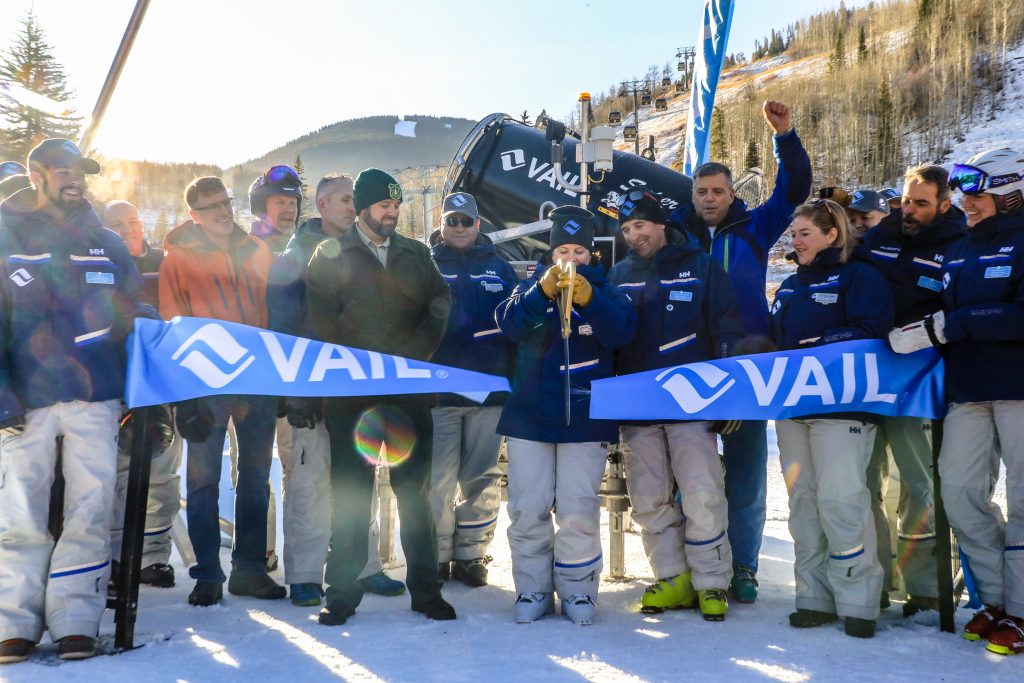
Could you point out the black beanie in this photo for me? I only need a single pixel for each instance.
(572, 225)
(647, 208)
(374, 185)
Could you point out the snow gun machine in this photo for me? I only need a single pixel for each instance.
(518, 174)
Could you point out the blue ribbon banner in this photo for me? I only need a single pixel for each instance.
(192, 357)
(855, 376)
(707, 68)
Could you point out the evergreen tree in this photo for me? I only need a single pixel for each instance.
(753, 158)
(30, 63)
(835, 60)
(525, 118)
(862, 45)
(719, 146)
(301, 171)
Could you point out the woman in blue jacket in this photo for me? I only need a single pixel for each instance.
(982, 329)
(553, 464)
(824, 458)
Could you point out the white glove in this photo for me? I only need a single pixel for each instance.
(919, 335)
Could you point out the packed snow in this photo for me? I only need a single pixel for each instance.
(248, 639)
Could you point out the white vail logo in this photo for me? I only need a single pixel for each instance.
(221, 343)
(512, 159)
(686, 395)
(21, 277)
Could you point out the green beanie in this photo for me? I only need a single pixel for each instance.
(374, 185)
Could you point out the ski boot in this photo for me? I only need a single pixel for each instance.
(983, 623)
(470, 572)
(532, 606)
(714, 604)
(1008, 637)
(579, 609)
(809, 618)
(744, 584)
(672, 593)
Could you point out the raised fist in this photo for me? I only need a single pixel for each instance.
(778, 116)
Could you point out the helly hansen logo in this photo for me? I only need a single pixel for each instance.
(95, 252)
(209, 350)
(938, 258)
(855, 430)
(1005, 250)
(833, 278)
(571, 227)
(21, 277)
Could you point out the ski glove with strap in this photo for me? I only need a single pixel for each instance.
(194, 420)
(549, 281)
(304, 413)
(724, 427)
(919, 335)
(582, 291)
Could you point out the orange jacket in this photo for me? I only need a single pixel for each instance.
(199, 279)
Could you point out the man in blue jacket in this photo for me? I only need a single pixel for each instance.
(909, 248)
(466, 441)
(68, 294)
(740, 239)
(686, 312)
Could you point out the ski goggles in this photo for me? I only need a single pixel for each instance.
(634, 196)
(278, 175)
(9, 168)
(971, 180)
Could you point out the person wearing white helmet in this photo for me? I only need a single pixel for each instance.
(981, 328)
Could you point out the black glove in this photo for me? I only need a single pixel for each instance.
(194, 420)
(161, 428)
(303, 413)
(724, 427)
(14, 424)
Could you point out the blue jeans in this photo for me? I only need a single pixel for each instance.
(255, 420)
(746, 487)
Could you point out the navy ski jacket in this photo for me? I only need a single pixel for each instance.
(983, 302)
(68, 296)
(286, 288)
(685, 306)
(536, 408)
(478, 279)
(827, 301)
(912, 264)
(742, 242)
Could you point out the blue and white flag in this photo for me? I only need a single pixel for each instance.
(714, 36)
(855, 376)
(192, 357)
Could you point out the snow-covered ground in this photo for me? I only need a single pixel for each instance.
(246, 639)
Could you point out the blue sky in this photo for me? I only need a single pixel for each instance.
(223, 81)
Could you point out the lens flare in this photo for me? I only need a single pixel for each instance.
(911, 534)
(384, 436)
(791, 473)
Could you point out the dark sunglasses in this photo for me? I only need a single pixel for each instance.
(818, 203)
(464, 221)
(279, 174)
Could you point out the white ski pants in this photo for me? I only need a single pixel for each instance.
(824, 462)
(465, 467)
(565, 477)
(306, 493)
(974, 436)
(910, 439)
(695, 539)
(162, 506)
(60, 586)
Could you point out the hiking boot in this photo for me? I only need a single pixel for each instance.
(335, 614)
(1007, 638)
(444, 570)
(470, 572)
(672, 593)
(713, 604)
(206, 593)
(744, 584)
(983, 623)
(579, 609)
(859, 628)
(435, 608)
(918, 603)
(532, 606)
(809, 618)
(259, 586)
(158, 575)
(382, 584)
(15, 650)
(76, 647)
(305, 594)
